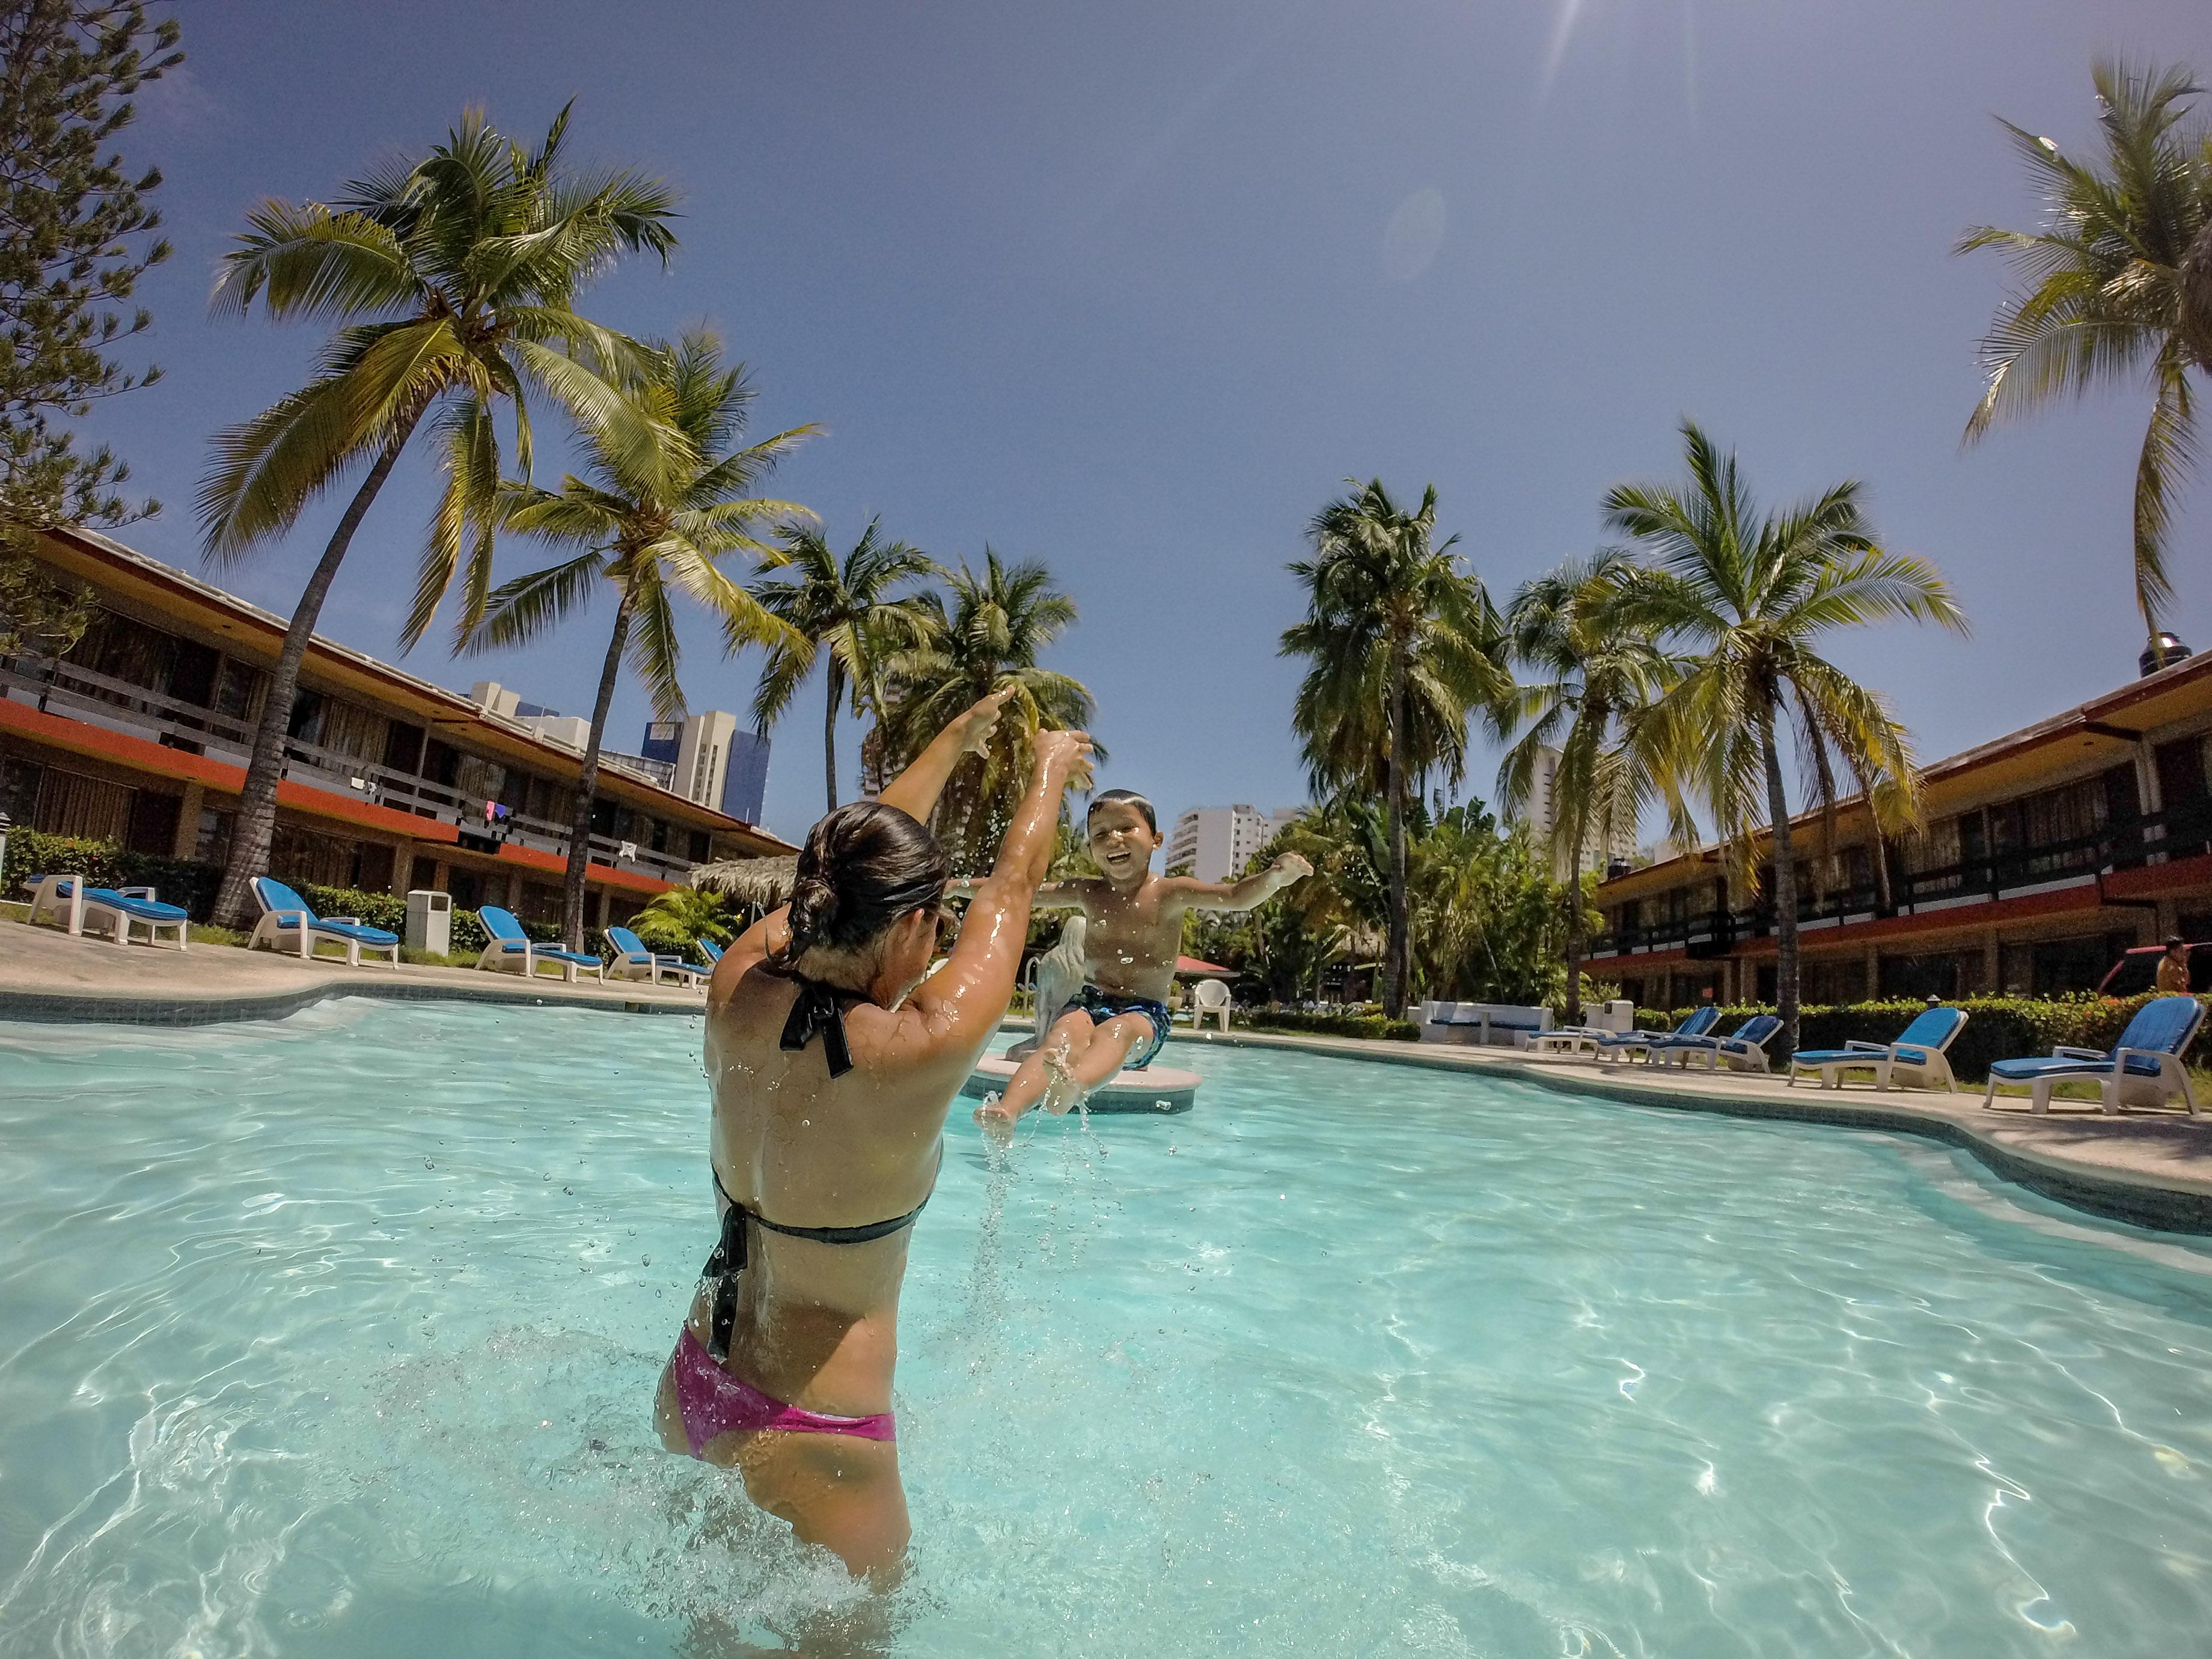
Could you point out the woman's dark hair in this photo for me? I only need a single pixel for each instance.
(863, 867)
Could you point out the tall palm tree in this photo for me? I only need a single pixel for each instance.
(649, 521)
(2117, 283)
(1600, 667)
(1403, 643)
(1749, 596)
(452, 281)
(844, 612)
(999, 622)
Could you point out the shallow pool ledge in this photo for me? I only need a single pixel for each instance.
(2155, 1171)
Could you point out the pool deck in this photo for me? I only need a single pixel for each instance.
(46, 975)
(2154, 1170)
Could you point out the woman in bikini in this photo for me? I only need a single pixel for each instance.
(833, 1064)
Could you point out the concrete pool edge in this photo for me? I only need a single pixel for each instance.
(2118, 1188)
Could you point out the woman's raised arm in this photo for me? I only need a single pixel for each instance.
(969, 995)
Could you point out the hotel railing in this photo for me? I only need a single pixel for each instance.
(2184, 831)
(99, 699)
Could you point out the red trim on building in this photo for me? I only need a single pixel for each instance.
(530, 858)
(2160, 880)
(79, 738)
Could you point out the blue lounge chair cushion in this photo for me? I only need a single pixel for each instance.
(507, 934)
(710, 950)
(1700, 1021)
(139, 909)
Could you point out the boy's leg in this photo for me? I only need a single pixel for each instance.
(1070, 1035)
(1110, 1044)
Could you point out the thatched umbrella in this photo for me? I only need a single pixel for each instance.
(759, 884)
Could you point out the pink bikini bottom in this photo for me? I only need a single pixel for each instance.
(712, 1402)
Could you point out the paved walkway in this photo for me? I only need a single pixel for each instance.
(44, 974)
(2152, 1170)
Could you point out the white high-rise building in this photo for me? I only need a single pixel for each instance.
(1214, 843)
(1541, 815)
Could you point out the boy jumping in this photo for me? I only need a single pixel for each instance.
(1135, 919)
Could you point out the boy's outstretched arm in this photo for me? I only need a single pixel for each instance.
(1255, 888)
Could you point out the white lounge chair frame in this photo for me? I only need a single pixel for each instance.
(119, 922)
(1209, 998)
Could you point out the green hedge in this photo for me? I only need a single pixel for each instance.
(1373, 1026)
(1997, 1028)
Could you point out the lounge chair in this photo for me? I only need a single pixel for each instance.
(289, 927)
(710, 950)
(1919, 1052)
(1626, 1044)
(511, 950)
(2144, 1067)
(1613, 1019)
(1743, 1049)
(1209, 999)
(115, 908)
(633, 961)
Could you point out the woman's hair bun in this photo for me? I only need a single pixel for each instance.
(863, 866)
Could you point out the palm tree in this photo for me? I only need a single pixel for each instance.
(649, 521)
(845, 609)
(2117, 283)
(453, 282)
(1749, 596)
(1403, 643)
(1001, 620)
(1602, 667)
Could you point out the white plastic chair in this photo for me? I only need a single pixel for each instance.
(1209, 997)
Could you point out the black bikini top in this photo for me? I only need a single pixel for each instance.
(819, 1011)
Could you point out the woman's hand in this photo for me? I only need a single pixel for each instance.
(974, 726)
(1067, 755)
(1293, 867)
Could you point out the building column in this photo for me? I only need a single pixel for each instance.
(513, 899)
(1993, 964)
(403, 868)
(188, 821)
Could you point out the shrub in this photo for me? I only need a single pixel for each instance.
(1373, 1026)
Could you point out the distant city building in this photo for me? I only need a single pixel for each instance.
(1214, 843)
(711, 760)
(1541, 817)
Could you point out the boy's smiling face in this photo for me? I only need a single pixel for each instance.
(1121, 842)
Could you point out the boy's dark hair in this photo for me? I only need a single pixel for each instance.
(863, 867)
(1125, 797)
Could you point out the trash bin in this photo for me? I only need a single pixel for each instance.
(429, 920)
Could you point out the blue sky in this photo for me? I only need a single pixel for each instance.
(1133, 290)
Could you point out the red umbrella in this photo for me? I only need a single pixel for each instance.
(1193, 965)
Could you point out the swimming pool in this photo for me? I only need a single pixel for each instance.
(336, 1335)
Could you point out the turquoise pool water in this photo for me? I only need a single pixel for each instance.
(336, 1336)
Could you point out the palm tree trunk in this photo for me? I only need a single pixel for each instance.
(829, 732)
(579, 828)
(255, 824)
(1786, 903)
(1399, 949)
(1574, 1016)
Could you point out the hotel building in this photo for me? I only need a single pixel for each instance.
(2044, 854)
(140, 734)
